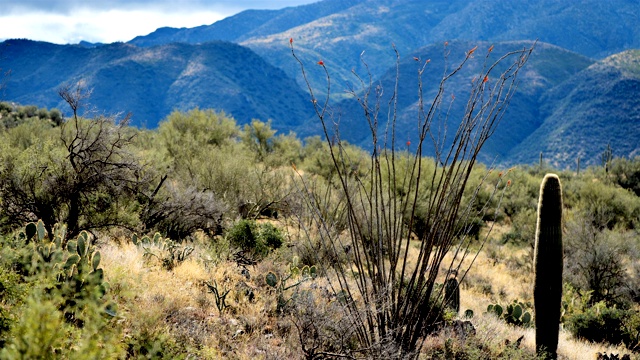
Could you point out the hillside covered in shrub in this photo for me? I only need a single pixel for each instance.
(200, 239)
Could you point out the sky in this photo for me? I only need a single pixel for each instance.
(107, 21)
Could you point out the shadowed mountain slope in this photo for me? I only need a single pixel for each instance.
(152, 82)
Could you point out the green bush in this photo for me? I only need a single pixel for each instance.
(606, 325)
(258, 239)
(595, 261)
(626, 173)
(608, 206)
(271, 236)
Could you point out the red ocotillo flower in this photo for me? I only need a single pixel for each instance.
(321, 63)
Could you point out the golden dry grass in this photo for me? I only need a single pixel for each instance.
(156, 301)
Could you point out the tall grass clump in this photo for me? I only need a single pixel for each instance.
(402, 200)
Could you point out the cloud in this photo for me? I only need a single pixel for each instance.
(70, 21)
(69, 6)
(98, 26)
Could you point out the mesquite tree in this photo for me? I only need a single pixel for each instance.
(81, 173)
(388, 294)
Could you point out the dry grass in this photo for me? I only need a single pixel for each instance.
(152, 300)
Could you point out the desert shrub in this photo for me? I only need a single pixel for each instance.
(523, 193)
(26, 112)
(626, 173)
(149, 344)
(200, 151)
(56, 116)
(523, 228)
(243, 235)
(41, 332)
(13, 115)
(596, 261)
(321, 328)
(258, 239)
(259, 138)
(183, 133)
(271, 236)
(475, 347)
(606, 325)
(179, 212)
(608, 206)
(82, 174)
(317, 159)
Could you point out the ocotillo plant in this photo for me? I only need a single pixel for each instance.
(547, 289)
(400, 197)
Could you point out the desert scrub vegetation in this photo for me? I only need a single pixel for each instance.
(205, 239)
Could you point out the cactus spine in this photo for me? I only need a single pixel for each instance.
(547, 289)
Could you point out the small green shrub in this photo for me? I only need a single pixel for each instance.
(258, 239)
(243, 235)
(606, 325)
(271, 236)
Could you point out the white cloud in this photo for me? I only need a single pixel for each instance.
(70, 21)
(98, 25)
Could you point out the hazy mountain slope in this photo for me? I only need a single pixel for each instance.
(590, 27)
(245, 24)
(548, 66)
(339, 31)
(151, 82)
(372, 28)
(598, 106)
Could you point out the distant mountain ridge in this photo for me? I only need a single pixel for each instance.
(152, 82)
(578, 93)
(247, 24)
(597, 107)
(340, 30)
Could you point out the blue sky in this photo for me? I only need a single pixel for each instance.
(70, 21)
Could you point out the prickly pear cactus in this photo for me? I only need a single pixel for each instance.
(75, 265)
(548, 263)
(515, 313)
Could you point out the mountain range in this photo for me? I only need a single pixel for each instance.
(579, 92)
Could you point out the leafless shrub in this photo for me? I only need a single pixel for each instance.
(391, 295)
(179, 212)
(86, 178)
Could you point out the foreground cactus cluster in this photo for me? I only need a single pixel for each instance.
(296, 274)
(167, 251)
(75, 264)
(515, 313)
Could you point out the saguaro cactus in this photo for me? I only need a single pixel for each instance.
(452, 292)
(547, 288)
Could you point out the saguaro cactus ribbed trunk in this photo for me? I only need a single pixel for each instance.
(547, 289)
